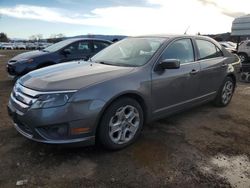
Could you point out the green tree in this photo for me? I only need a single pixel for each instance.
(56, 38)
(36, 38)
(3, 37)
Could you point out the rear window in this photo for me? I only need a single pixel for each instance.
(207, 49)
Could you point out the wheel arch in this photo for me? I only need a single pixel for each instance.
(132, 95)
(242, 53)
(231, 75)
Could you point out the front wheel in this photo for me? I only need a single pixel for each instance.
(121, 124)
(225, 93)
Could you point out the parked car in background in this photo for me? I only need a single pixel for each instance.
(7, 46)
(244, 51)
(41, 46)
(233, 44)
(31, 46)
(67, 50)
(20, 46)
(229, 47)
(131, 82)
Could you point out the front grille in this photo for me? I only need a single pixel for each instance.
(22, 97)
(25, 128)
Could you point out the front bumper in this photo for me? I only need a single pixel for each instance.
(86, 140)
(19, 69)
(52, 125)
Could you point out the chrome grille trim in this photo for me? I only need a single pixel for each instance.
(24, 98)
(22, 105)
(35, 93)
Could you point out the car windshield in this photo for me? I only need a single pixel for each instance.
(132, 52)
(57, 46)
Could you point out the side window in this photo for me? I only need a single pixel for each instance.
(72, 47)
(81, 47)
(207, 49)
(248, 44)
(98, 46)
(181, 49)
(84, 47)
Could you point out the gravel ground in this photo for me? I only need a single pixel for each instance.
(203, 147)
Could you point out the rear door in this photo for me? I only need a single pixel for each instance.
(213, 66)
(99, 45)
(174, 88)
(84, 49)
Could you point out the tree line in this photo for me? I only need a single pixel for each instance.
(36, 38)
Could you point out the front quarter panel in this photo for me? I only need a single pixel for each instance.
(93, 100)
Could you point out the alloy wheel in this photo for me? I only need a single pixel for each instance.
(227, 92)
(242, 58)
(124, 124)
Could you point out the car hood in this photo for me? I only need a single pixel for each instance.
(28, 55)
(71, 76)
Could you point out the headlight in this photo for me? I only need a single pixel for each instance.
(52, 100)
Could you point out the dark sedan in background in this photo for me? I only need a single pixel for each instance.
(131, 82)
(64, 51)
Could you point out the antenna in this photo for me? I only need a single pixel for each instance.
(187, 30)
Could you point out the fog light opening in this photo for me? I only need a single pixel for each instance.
(57, 132)
(79, 130)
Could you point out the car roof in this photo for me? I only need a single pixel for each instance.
(169, 36)
(78, 39)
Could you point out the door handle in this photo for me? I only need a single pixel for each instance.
(193, 72)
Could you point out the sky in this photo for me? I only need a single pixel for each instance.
(22, 19)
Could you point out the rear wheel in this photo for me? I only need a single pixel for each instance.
(121, 124)
(225, 93)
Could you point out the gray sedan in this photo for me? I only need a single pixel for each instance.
(109, 98)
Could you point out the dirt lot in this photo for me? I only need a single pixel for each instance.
(204, 147)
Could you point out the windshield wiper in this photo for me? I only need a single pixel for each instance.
(115, 64)
(105, 63)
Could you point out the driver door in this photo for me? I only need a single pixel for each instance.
(172, 89)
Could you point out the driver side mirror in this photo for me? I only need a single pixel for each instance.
(66, 51)
(170, 64)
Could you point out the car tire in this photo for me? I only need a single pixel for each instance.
(121, 124)
(225, 93)
(243, 57)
